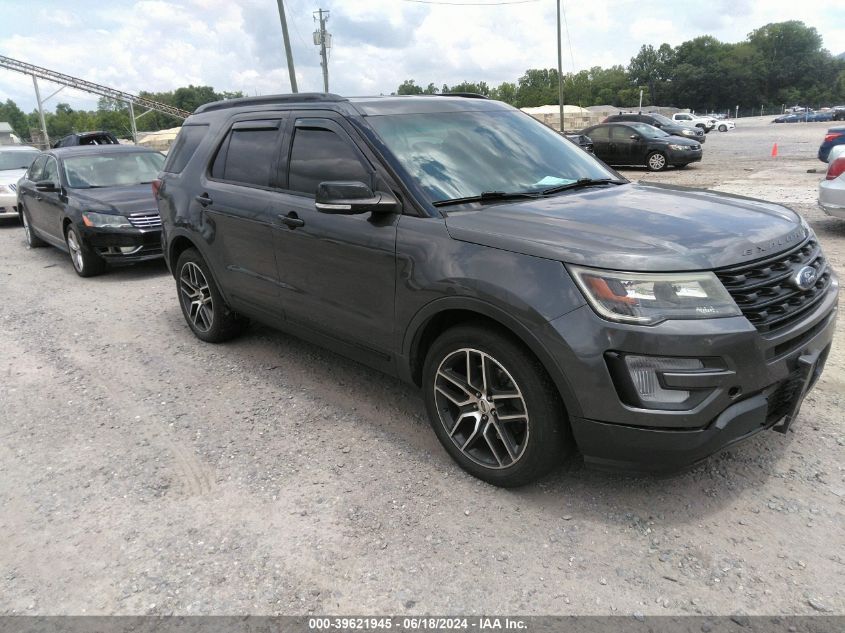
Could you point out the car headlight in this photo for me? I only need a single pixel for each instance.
(679, 148)
(688, 132)
(650, 298)
(89, 218)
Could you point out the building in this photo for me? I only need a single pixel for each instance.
(7, 134)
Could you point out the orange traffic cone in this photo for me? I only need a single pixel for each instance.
(774, 150)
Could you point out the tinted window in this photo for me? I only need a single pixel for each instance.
(51, 171)
(248, 154)
(321, 155)
(35, 171)
(599, 134)
(184, 147)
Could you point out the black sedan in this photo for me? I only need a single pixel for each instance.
(641, 144)
(94, 202)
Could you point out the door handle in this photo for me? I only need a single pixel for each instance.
(39, 197)
(291, 220)
(204, 199)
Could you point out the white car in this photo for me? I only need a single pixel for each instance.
(685, 118)
(14, 161)
(724, 126)
(832, 189)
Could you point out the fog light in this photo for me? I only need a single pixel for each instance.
(643, 370)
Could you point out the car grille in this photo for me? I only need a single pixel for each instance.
(150, 220)
(764, 292)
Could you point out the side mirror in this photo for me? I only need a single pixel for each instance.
(351, 198)
(657, 125)
(635, 137)
(47, 186)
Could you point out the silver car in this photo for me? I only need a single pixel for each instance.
(832, 191)
(14, 161)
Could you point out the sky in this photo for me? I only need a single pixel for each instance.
(159, 45)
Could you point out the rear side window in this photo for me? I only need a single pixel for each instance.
(249, 153)
(599, 134)
(184, 147)
(319, 155)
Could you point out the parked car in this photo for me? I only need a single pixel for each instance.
(14, 161)
(685, 118)
(641, 144)
(787, 118)
(832, 188)
(819, 116)
(87, 138)
(95, 203)
(582, 140)
(835, 136)
(530, 291)
(839, 113)
(661, 123)
(724, 126)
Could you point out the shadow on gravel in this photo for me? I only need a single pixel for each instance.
(11, 223)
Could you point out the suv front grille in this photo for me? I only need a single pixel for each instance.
(150, 220)
(764, 292)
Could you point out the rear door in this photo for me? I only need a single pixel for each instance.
(27, 191)
(601, 142)
(626, 149)
(337, 271)
(241, 209)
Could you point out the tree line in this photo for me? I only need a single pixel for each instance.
(778, 64)
(110, 115)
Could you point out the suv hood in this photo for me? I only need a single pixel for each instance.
(122, 200)
(635, 227)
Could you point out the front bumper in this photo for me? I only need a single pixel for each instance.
(8, 205)
(685, 157)
(123, 246)
(756, 391)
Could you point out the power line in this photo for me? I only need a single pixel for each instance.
(471, 4)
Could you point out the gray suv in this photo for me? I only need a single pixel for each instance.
(543, 304)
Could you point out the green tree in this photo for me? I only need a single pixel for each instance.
(409, 87)
(14, 116)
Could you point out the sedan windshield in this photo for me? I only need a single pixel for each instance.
(456, 155)
(648, 131)
(112, 170)
(18, 159)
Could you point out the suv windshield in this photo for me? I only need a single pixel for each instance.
(649, 131)
(18, 159)
(112, 170)
(455, 155)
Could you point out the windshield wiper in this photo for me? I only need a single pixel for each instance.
(488, 196)
(582, 182)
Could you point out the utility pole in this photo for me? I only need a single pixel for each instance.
(41, 111)
(324, 41)
(559, 69)
(288, 52)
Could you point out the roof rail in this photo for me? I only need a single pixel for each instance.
(466, 95)
(300, 97)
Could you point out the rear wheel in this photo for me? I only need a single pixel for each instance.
(85, 262)
(656, 161)
(32, 240)
(493, 407)
(206, 313)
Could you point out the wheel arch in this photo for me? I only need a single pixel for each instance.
(443, 314)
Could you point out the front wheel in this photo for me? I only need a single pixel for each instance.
(203, 307)
(723, 128)
(85, 262)
(656, 161)
(493, 406)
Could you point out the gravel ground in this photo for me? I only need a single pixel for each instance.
(142, 471)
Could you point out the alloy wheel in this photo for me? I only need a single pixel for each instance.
(657, 161)
(75, 251)
(481, 408)
(196, 296)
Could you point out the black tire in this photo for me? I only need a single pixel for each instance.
(656, 161)
(203, 307)
(539, 440)
(32, 240)
(85, 262)
(723, 128)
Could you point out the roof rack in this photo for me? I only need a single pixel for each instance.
(466, 95)
(300, 97)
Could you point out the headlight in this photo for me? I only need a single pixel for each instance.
(679, 148)
(105, 220)
(650, 298)
(688, 132)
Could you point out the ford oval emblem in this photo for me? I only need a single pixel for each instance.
(805, 278)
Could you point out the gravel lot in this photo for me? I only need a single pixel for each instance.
(142, 471)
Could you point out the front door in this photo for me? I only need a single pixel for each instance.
(337, 272)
